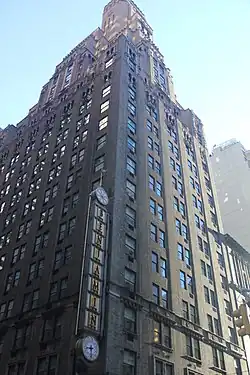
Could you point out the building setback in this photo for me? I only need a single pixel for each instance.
(230, 163)
(127, 285)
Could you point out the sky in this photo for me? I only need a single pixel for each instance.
(205, 44)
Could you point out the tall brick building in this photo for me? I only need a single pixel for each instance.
(128, 283)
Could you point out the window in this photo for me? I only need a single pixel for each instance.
(164, 298)
(129, 319)
(18, 253)
(178, 170)
(210, 323)
(217, 328)
(69, 182)
(151, 182)
(156, 296)
(203, 268)
(161, 238)
(63, 288)
(206, 248)
(47, 365)
(197, 188)
(149, 125)
(130, 216)
(172, 163)
(101, 142)
(187, 257)
(132, 93)
(75, 200)
(99, 163)
(131, 145)
(194, 201)
(196, 345)
(160, 212)
(155, 265)
(174, 182)
(131, 126)
(130, 243)
(84, 136)
(200, 206)
(150, 162)
(178, 226)
(176, 204)
(129, 277)
(182, 209)
(213, 298)
(157, 332)
(129, 362)
(34, 300)
(132, 109)
(191, 182)
(81, 155)
(153, 232)
(106, 91)
(150, 143)
(152, 206)
(183, 280)
(158, 189)
(103, 123)
(157, 148)
(131, 189)
(185, 310)
(209, 272)
(180, 251)
(180, 187)
(53, 291)
(190, 165)
(206, 294)
(197, 221)
(109, 63)
(156, 131)
(158, 167)
(170, 146)
(189, 347)
(105, 106)
(62, 231)
(184, 231)
(73, 160)
(16, 278)
(9, 308)
(131, 166)
(72, 224)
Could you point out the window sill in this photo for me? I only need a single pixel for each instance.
(192, 359)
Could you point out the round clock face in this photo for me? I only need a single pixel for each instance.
(102, 196)
(90, 348)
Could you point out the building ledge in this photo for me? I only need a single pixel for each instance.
(192, 359)
(192, 328)
(217, 369)
(215, 340)
(163, 348)
(236, 350)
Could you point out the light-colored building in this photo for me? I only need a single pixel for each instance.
(230, 163)
(239, 279)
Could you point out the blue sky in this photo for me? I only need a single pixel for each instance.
(205, 44)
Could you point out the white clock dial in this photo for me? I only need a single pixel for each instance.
(102, 196)
(90, 348)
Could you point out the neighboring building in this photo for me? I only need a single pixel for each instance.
(239, 279)
(231, 169)
(139, 276)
